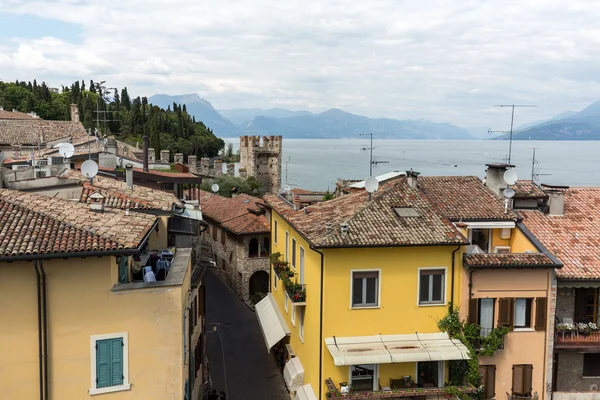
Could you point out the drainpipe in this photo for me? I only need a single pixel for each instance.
(452, 287)
(320, 328)
(470, 284)
(39, 315)
(45, 325)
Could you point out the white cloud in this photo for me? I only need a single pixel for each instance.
(444, 60)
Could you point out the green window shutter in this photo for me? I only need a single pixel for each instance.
(123, 269)
(103, 363)
(116, 362)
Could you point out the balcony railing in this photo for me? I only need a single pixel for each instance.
(402, 393)
(296, 292)
(485, 332)
(577, 339)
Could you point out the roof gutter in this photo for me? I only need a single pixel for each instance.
(82, 254)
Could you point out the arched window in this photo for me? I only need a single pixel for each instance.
(264, 251)
(253, 248)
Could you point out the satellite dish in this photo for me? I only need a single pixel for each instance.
(510, 176)
(371, 184)
(215, 187)
(66, 150)
(89, 168)
(509, 193)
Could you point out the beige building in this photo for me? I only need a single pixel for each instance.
(79, 318)
(238, 240)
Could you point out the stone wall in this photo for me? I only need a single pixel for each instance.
(262, 160)
(570, 373)
(565, 303)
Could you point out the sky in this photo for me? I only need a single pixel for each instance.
(442, 60)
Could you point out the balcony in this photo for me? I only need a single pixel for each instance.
(576, 339)
(296, 293)
(396, 393)
(480, 341)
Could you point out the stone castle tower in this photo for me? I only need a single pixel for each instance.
(262, 160)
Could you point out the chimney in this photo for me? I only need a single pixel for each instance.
(145, 153)
(74, 113)
(165, 156)
(296, 200)
(218, 167)
(151, 155)
(129, 176)
(193, 164)
(204, 165)
(344, 228)
(111, 145)
(178, 158)
(494, 178)
(411, 178)
(328, 227)
(556, 199)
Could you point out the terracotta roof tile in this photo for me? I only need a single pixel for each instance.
(158, 172)
(116, 194)
(238, 214)
(4, 114)
(36, 224)
(371, 223)
(574, 237)
(495, 260)
(463, 197)
(528, 190)
(38, 131)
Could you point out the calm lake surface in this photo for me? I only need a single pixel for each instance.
(317, 163)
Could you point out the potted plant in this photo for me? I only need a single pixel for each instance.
(583, 328)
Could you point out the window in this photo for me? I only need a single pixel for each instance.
(587, 305)
(274, 279)
(502, 249)
(362, 377)
(110, 363)
(522, 377)
(275, 231)
(215, 232)
(253, 248)
(522, 313)
(430, 374)
(167, 186)
(488, 380)
(223, 236)
(285, 302)
(194, 315)
(301, 323)
(287, 245)
(294, 253)
(431, 286)
(264, 251)
(365, 289)
(541, 303)
(481, 238)
(293, 315)
(486, 316)
(591, 364)
(301, 265)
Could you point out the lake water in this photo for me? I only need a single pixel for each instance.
(317, 163)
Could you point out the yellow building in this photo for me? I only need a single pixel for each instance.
(369, 279)
(77, 321)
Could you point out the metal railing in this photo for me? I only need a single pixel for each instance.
(296, 292)
(577, 339)
(485, 332)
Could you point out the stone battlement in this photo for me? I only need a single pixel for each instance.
(262, 159)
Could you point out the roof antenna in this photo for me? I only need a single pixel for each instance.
(370, 148)
(512, 120)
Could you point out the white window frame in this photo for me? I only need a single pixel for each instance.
(496, 248)
(441, 371)
(301, 323)
(287, 245)
(126, 385)
(275, 226)
(375, 376)
(285, 301)
(293, 317)
(490, 237)
(302, 256)
(294, 248)
(275, 279)
(444, 289)
(352, 271)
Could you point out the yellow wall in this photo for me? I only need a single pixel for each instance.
(158, 237)
(81, 304)
(519, 242)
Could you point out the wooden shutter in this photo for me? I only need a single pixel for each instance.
(116, 361)
(102, 363)
(506, 311)
(540, 313)
(488, 380)
(201, 299)
(474, 311)
(522, 379)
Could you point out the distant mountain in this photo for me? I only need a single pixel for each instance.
(336, 123)
(201, 109)
(562, 115)
(242, 116)
(570, 125)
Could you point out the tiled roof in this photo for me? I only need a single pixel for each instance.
(302, 191)
(88, 144)
(34, 224)
(158, 172)
(4, 114)
(515, 260)
(573, 237)
(528, 190)
(371, 223)
(238, 214)
(116, 194)
(463, 197)
(38, 131)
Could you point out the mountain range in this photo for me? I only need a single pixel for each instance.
(334, 123)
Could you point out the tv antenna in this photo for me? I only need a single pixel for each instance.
(370, 148)
(535, 175)
(512, 120)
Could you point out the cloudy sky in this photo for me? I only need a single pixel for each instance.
(444, 60)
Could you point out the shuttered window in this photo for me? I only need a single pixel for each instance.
(215, 231)
(109, 362)
(488, 380)
(591, 364)
(522, 378)
(506, 312)
(540, 313)
(223, 236)
(473, 311)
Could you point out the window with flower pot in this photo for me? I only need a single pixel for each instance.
(365, 289)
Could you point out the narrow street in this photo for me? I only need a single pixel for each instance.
(250, 372)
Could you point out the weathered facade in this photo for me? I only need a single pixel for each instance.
(262, 160)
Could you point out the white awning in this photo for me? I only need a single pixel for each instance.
(489, 224)
(271, 321)
(305, 392)
(293, 373)
(385, 349)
